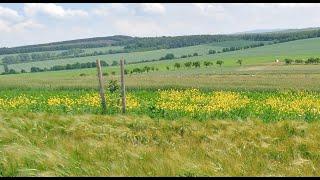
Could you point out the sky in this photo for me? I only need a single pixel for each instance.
(33, 23)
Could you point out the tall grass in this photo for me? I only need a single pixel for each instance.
(39, 144)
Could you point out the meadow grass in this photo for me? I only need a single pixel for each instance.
(40, 144)
(247, 77)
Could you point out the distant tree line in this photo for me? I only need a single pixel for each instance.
(72, 53)
(164, 42)
(66, 45)
(301, 61)
(244, 47)
(57, 67)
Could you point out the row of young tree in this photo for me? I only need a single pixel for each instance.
(56, 68)
(301, 61)
(195, 64)
(244, 47)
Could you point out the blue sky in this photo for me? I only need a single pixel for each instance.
(27, 23)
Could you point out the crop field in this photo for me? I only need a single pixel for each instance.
(101, 145)
(134, 56)
(295, 49)
(130, 57)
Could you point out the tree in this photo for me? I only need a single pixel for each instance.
(239, 61)
(167, 67)
(146, 68)
(288, 61)
(219, 62)
(196, 64)
(114, 63)
(113, 86)
(195, 54)
(207, 63)
(5, 67)
(299, 61)
(211, 51)
(188, 64)
(169, 56)
(12, 71)
(177, 65)
(35, 69)
(103, 63)
(69, 66)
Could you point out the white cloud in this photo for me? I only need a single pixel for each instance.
(153, 8)
(112, 9)
(4, 26)
(28, 24)
(295, 5)
(216, 11)
(9, 14)
(53, 10)
(138, 27)
(7, 27)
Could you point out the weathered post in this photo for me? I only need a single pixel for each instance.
(101, 86)
(123, 88)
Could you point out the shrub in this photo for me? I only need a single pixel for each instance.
(113, 86)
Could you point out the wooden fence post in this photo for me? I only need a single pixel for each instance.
(123, 88)
(101, 86)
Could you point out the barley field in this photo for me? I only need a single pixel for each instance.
(41, 144)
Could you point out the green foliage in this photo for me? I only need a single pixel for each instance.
(207, 63)
(105, 74)
(188, 64)
(115, 63)
(288, 61)
(167, 56)
(239, 61)
(211, 51)
(177, 65)
(299, 61)
(113, 86)
(220, 62)
(196, 64)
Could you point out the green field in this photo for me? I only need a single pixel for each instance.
(257, 119)
(294, 49)
(134, 56)
(255, 77)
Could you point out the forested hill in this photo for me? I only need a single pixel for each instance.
(66, 45)
(134, 43)
(181, 41)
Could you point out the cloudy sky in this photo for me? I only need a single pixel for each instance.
(22, 24)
